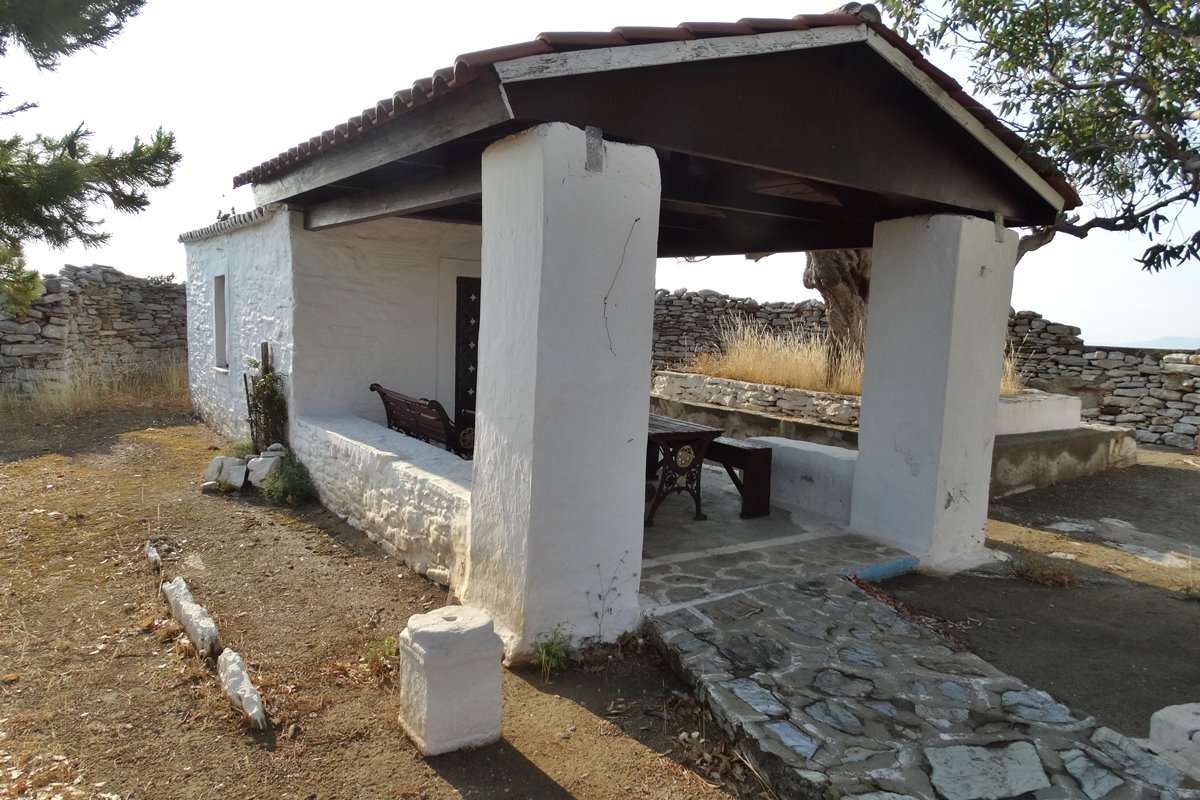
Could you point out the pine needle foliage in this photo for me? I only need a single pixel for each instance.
(51, 185)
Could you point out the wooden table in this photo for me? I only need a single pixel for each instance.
(675, 449)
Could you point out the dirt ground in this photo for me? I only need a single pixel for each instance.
(1125, 641)
(100, 698)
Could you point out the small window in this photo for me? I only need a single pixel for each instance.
(219, 322)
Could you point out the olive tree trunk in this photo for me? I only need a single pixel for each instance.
(843, 277)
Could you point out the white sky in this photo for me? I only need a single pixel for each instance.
(241, 80)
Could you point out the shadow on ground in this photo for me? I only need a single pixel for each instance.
(28, 435)
(495, 771)
(1113, 648)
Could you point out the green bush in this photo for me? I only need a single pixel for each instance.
(242, 448)
(289, 483)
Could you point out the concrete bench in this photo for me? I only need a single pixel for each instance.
(754, 461)
(426, 420)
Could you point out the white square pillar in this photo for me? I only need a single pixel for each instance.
(570, 232)
(940, 290)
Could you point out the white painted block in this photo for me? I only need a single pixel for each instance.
(240, 689)
(450, 680)
(1175, 732)
(810, 477)
(196, 622)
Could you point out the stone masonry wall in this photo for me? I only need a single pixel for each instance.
(1156, 392)
(686, 323)
(92, 321)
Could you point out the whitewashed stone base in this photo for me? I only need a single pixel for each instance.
(412, 498)
(450, 680)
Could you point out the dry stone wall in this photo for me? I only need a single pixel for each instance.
(686, 323)
(1155, 392)
(92, 321)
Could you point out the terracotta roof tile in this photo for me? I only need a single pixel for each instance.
(641, 35)
(705, 30)
(469, 66)
(562, 41)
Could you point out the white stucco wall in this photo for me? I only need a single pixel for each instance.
(375, 304)
(568, 289)
(935, 335)
(256, 262)
(413, 499)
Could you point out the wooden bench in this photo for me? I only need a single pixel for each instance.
(754, 460)
(426, 420)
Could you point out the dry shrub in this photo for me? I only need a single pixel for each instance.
(1043, 571)
(162, 386)
(758, 353)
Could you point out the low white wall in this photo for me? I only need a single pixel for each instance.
(253, 253)
(412, 498)
(1034, 412)
(811, 477)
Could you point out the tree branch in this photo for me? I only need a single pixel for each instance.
(1152, 21)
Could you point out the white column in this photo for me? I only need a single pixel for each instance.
(940, 289)
(570, 231)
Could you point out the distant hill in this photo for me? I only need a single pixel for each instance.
(1171, 343)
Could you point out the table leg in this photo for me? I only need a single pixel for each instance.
(681, 466)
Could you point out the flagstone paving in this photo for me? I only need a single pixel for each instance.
(831, 693)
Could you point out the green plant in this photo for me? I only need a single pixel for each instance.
(551, 652)
(165, 279)
(380, 654)
(242, 448)
(290, 482)
(601, 602)
(266, 402)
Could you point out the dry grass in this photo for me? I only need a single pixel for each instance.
(1043, 570)
(758, 353)
(164, 387)
(761, 354)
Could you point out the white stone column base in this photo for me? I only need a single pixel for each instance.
(450, 680)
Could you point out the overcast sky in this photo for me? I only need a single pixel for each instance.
(238, 81)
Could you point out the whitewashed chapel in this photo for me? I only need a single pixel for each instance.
(488, 237)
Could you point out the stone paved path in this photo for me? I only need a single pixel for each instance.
(830, 693)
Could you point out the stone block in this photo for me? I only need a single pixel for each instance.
(1181, 440)
(1175, 732)
(218, 465)
(986, 773)
(257, 469)
(450, 680)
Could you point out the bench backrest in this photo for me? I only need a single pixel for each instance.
(422, 419)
